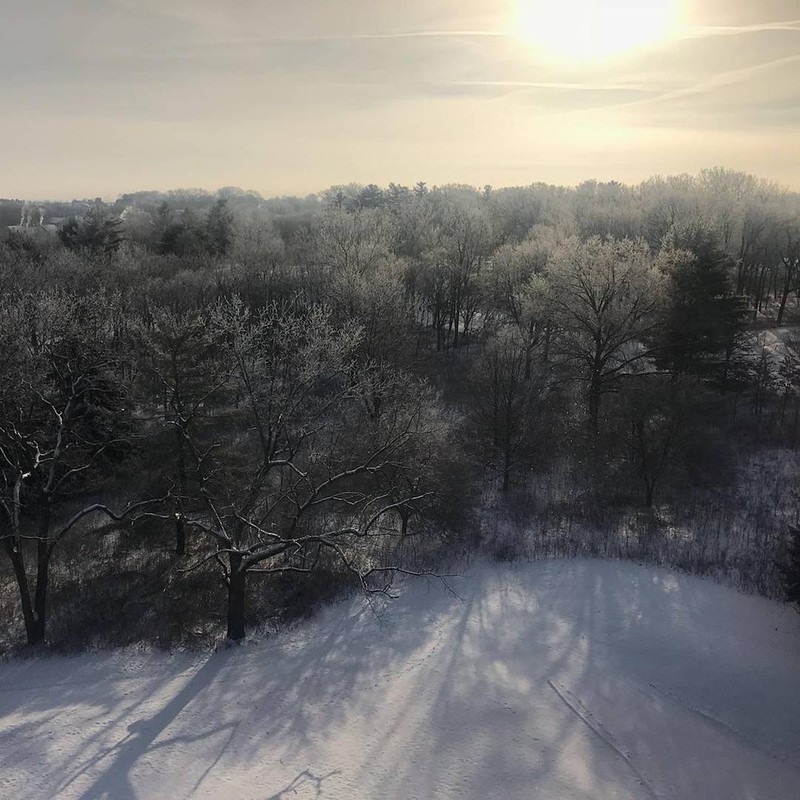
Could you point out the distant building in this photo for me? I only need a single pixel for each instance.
(32, 222)
(33, 230)
(32, 216)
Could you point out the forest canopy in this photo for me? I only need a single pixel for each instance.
(219, 409)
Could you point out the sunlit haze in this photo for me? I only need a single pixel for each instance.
(100, 98)
(586, 30)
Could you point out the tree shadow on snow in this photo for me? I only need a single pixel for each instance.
(115, 780)
(498, 693)
(304, 779)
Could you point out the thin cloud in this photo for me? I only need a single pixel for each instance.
(719, 81)
(419, 88)
(545, 98)
(353, 37)
(745, 100)
(421, 35)
(589, 87)
(740, 30)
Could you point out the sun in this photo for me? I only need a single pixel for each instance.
(591, 30)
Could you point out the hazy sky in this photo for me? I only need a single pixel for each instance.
(290, 96)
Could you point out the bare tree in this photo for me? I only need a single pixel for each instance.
(377, 303)
(790, 259)
(655, 417)
(507, 408)
(359, 240)
(63, 418)
(514, 286)
(603, 295)
(313, 471)
(466, 238)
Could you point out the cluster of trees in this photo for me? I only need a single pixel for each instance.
(287, 444)
(169, 232)
(320, 380)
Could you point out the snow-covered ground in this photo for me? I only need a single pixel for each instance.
(563, 679)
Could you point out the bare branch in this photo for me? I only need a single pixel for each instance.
(104, 509)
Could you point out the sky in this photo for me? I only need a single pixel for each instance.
(101, 97)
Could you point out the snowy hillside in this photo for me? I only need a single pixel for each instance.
(580, 679)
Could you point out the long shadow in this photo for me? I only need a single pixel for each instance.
(480, 698)
(115, 781)
(306, 685)
(305, 778)
(500, 647)
(294, 685)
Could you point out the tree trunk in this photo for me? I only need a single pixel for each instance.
(740, 276)
(43, 553)
(44, 550)
(507, 462)
(18, 564)
(405, 515)
(782, 307)
(760, 289)
(236, 598)
(596, 386)
(546, 349)
(180, 526)
(530, 344)
(786, 289)
(180, 530)
(594, 406)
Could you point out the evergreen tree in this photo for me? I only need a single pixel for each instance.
(179, 371)
(99, 232)
(178, 233)
(704, 320)
(219, 228)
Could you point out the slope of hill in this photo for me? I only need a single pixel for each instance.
(563, 679)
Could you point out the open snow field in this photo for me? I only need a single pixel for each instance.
(563, 679)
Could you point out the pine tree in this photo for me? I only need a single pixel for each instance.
(219, 228)
(99, 231)
(704, 320)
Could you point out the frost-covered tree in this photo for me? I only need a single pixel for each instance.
(64, 419)
(100, 232)
(219, 228)
(602, 295)
(310, 472)
(506, 409)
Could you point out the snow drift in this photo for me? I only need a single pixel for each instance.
(563, 679)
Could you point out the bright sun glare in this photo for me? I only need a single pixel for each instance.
(589, 30)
